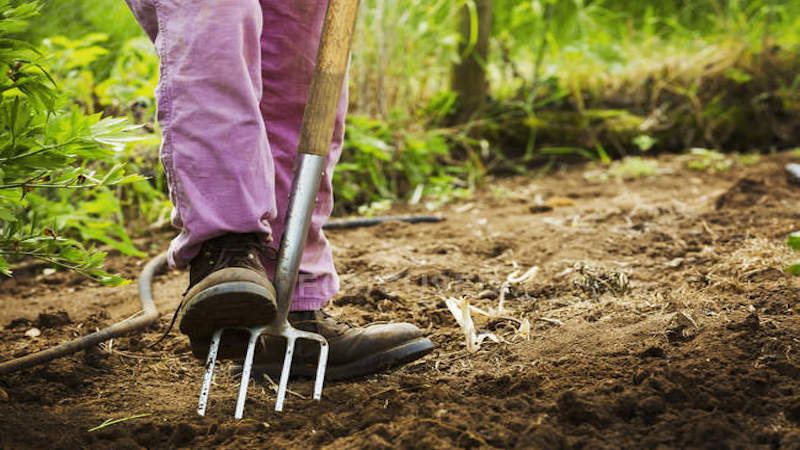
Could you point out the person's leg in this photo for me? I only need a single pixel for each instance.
(217, 160)
(214, 151)
(289, 43)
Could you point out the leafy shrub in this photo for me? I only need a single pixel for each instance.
(384, 162)
(56, 164)
(127, 88)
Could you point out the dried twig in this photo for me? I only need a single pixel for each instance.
(552, 321)
(513, 279)
(274, 386)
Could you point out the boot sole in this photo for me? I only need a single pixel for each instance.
(231, 304)
(376, 362)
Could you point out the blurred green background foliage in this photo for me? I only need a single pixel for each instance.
(564, 81)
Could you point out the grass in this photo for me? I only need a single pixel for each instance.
(111, 422)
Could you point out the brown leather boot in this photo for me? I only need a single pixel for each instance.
(354, 351)
(228, 286)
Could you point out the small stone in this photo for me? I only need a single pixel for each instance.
(684, 319)
(538, 209)
(33, 332)
(48, 271)
(793, 173)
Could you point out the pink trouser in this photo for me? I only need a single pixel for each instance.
(233, 83)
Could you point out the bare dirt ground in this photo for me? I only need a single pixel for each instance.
(659, 318)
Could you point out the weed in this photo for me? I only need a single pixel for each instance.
(110, 422)
(645, 142)
(748, 160)
(634, 167)
(702, 159)
(629, 168)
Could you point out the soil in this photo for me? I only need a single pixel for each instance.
(659, 317)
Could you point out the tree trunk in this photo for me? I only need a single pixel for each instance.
(469, 75)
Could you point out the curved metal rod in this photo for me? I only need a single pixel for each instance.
(147, 318)
(150, 314)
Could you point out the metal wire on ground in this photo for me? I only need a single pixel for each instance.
(148, 317)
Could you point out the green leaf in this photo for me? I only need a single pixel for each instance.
(794, 269)
(644, 142)
(7, 215)
(113, 280)
(5, 267)
(794, 240)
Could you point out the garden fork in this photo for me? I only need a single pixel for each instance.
(315, 140)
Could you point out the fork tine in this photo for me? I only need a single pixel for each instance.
(209, 373)
(291, 335)
(321, 366)
(247, 366)
(287, 365)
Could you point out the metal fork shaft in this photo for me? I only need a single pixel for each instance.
(316, 134)
(298, 217)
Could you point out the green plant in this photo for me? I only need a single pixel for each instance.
(129, 84)
(631, 167)
(634, 167)
(702, 159)
(383, 161)
(794, 243)
(109, 422)
(69, 63)
(623, 75)
(75, 18)
(645, 142)
(50, 150)
(748, 159)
